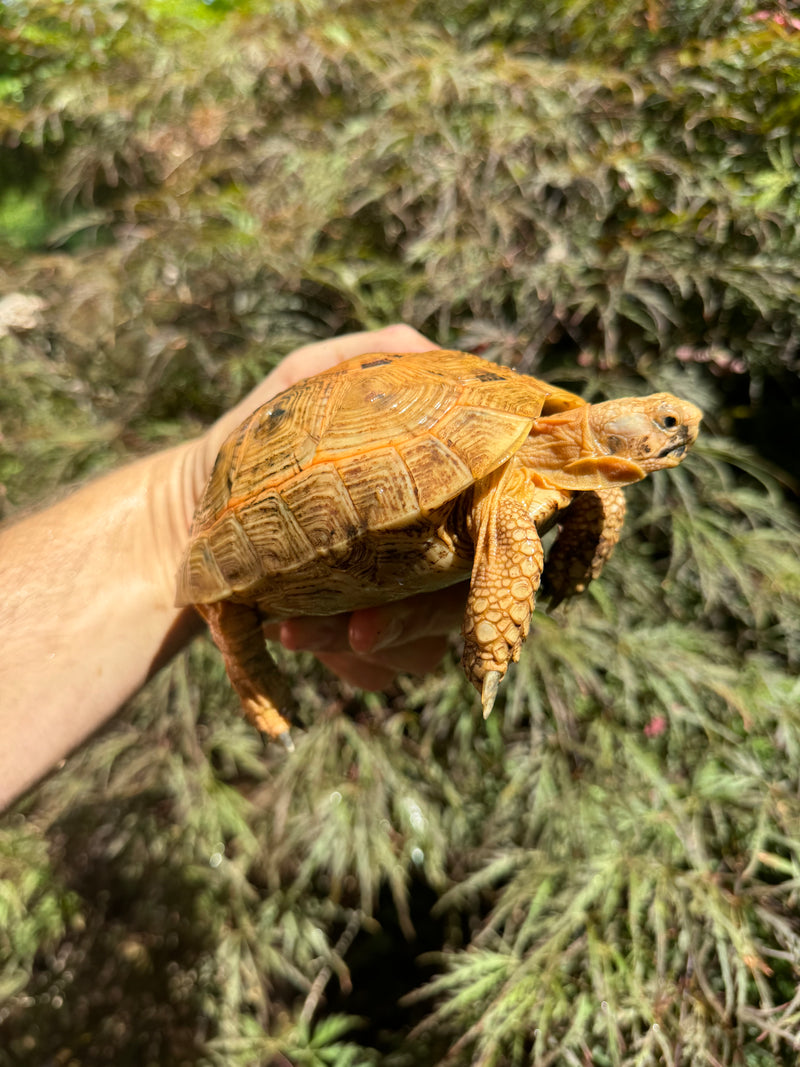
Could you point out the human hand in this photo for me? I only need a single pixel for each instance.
(366, 648)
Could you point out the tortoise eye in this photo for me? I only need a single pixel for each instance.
(669, 422)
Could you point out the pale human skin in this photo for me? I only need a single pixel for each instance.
(87, 591)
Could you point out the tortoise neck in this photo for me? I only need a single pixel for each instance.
(555, 440)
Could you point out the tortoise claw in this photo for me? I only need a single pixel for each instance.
(286, 740)
(491, 683)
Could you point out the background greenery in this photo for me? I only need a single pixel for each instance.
(607, 194)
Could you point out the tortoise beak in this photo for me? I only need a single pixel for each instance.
(678, 450)
(680, 443)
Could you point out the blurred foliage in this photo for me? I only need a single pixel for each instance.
(607, 194)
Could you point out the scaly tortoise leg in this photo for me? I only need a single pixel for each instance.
(236, 630)
(505, 578)
(590, 529)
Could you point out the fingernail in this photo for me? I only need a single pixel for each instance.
(390, 634)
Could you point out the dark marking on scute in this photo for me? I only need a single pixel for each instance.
(357, 561)
(376, 363)
(215, 470)
(489, 376)
(371, 397)
(266, 424)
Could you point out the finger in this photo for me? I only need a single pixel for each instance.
(413, 657)
(417, 657)
(326, 633)
(272, 632)
(374, 629)
(327, 638)
(357, 671)
(371, 630)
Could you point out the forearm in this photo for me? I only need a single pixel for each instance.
(88, 610)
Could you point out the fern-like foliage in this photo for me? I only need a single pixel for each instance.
(604, 194)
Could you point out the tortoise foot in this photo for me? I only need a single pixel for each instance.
(269, 722)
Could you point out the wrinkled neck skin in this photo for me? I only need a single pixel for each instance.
(559, 439)
(565, 452)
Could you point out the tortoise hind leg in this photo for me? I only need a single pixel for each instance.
(236, 630)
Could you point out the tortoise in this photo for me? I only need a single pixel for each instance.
(393, 474)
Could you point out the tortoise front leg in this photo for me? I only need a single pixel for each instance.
(505, 577)
(590, 529)
(236, 630)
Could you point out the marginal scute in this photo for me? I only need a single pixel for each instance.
(199, 579)
(236, 557)
(558, 400)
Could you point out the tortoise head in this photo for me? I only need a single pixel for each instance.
(652, 431)
(613, 443)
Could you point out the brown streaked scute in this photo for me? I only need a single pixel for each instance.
(319, 501)
(484, 440)
(381, 488)
(199, 579)
(439, 474)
